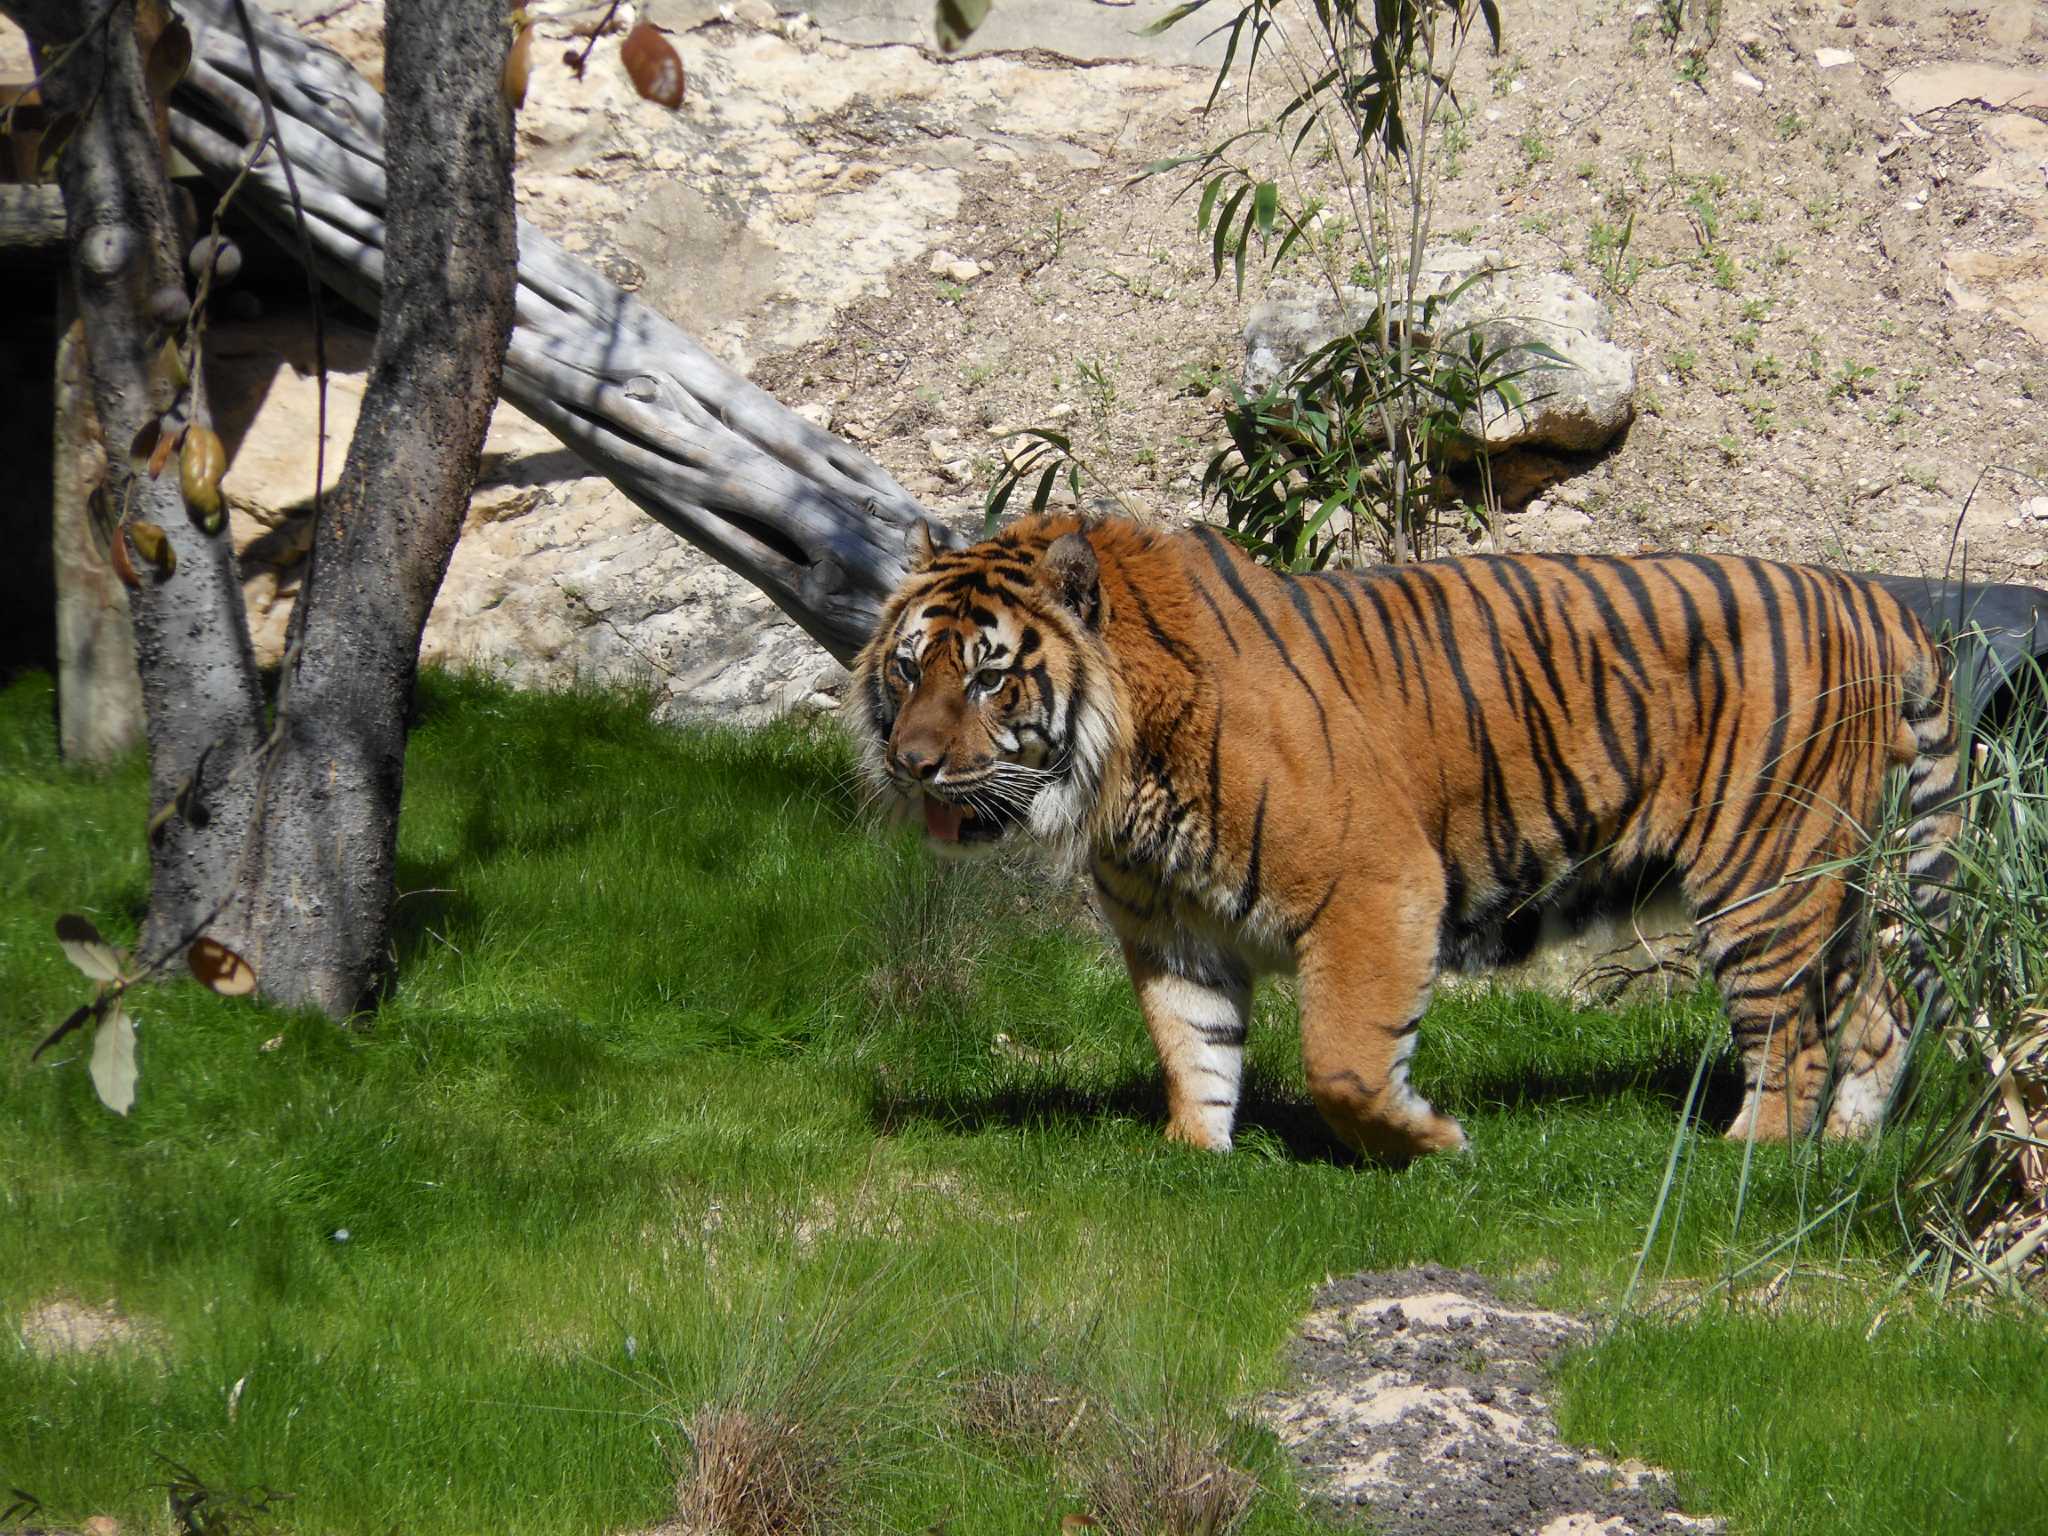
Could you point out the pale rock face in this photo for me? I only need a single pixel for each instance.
(799, 176)
(1577, 407)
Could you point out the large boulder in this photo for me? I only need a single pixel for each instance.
(1578, 407)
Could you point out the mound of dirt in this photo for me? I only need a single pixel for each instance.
(1420, 1401)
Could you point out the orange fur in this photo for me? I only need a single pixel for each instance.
(1363, 777)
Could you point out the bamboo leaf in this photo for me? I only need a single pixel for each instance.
(956, 20)
(1173, 17)
(1043, 497)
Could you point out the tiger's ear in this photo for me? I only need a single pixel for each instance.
(918, 545)
(1073, 577)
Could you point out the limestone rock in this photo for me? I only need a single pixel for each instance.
(1576, 408)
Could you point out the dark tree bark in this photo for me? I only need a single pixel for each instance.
(321, 886)
(202, 700)
(283, 841)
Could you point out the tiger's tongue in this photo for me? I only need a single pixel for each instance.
(942, 820)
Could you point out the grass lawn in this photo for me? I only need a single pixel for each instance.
(698, 1093)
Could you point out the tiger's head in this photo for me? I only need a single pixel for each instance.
(985, 701)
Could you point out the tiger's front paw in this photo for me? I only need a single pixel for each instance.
(1198, 1131)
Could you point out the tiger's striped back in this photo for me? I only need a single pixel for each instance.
(1365, 776)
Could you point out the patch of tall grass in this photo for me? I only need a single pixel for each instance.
(703, 1111)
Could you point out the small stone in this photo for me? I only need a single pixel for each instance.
(102, 1525)
(1748, 81)
(963, 272)
(2008, 25)
(941, 262)
(1832, 58)
(1846, 19)
(818, 413)
(754, 13)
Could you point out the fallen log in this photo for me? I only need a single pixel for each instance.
(810, 520)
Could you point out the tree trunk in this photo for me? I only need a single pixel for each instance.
(317, 922)
(192, 648)
(99, 692)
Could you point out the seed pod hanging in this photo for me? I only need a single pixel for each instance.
(201, 463)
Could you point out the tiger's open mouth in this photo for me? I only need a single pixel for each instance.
(954, 822)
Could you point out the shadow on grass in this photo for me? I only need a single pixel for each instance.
(1667, 1082)
(1049, 1104)
(1273, 1107)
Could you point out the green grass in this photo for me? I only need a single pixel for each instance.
(690, 1094)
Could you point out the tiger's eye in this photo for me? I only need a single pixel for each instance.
(988, 680)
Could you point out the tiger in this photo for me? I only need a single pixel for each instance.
(1368, 777)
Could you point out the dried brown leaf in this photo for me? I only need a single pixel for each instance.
(99, 517)
(142, 450)
(653, 65)
(117, 552)
(518, 68)
(220, 968)
(170, 57)
(154, 545)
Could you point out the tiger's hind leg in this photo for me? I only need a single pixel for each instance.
(1869, 1051)
(1767, 951)
(1365, 981)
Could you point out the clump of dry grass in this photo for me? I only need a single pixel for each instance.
(758, 1472)
(1021, 1413)
(1164, 1479)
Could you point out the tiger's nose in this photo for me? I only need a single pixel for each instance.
(914, 763)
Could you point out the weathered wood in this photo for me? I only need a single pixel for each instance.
(31, 219)
(812, 521)
(99, 692)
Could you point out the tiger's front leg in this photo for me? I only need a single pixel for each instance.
(1197, 1005)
